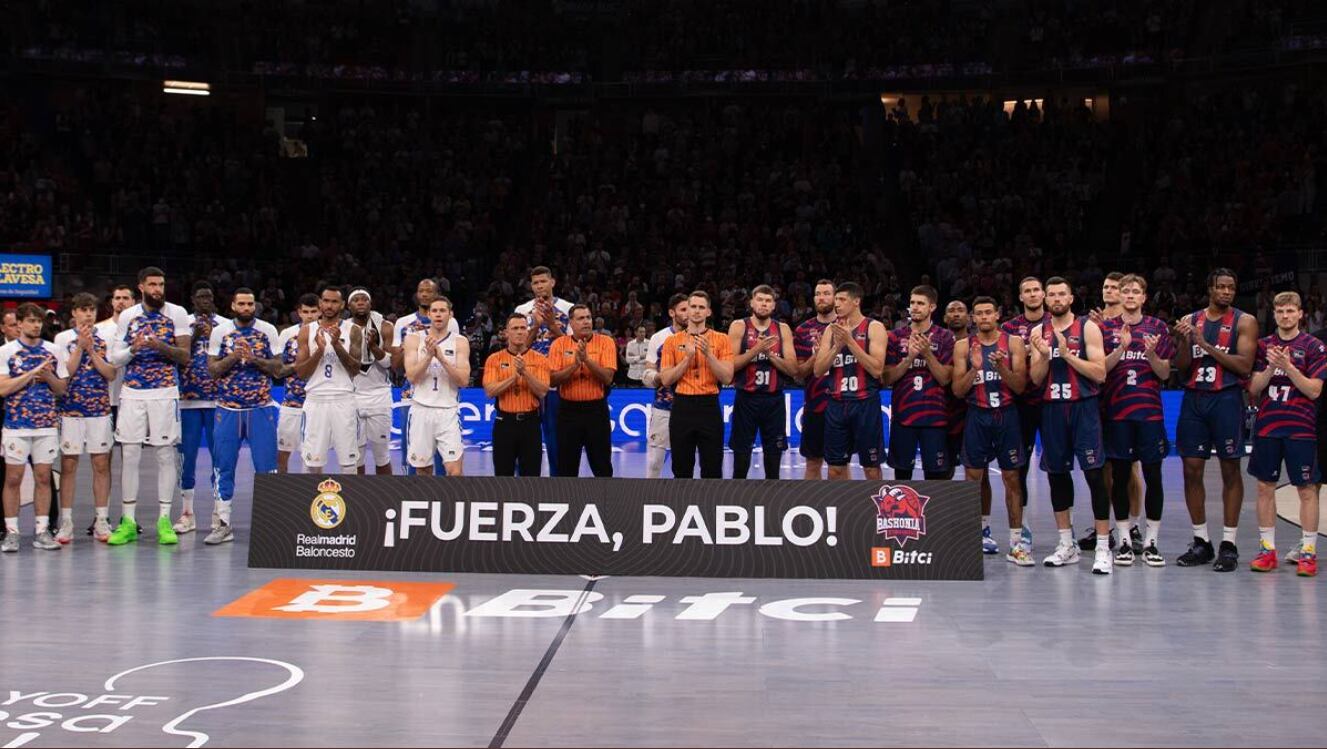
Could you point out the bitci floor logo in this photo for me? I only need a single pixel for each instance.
(900, 516)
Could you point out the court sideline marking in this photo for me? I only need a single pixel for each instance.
(515, 712)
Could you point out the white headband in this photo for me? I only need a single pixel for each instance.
(357, 292)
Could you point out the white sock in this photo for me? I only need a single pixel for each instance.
(1308, 543)
(11, 525)
(127, 507)
(1122, 528)
(43, 523)
(1268, 536)
(163, 509)
(1200, 531)
(985, 522)
(1153, 530)
(1228, 534)
(1066, 535)
(66, 515)
(223, 510)
(1015, 537)
(187, 501)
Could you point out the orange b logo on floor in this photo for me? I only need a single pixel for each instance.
(347, 600)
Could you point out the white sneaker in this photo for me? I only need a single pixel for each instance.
(1293, 556)
(1103, 563)
(220, 535)
(101, 530)
(1020, 555)
(185, 524)
(1066, 552)
(66, 532)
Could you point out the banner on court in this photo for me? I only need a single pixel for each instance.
(25, 276)
(917, 530)
(629, 414)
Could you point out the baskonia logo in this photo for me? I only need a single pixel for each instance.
(328, 509)
(900, 513)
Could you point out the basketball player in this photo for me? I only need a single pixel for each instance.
(853, 355)
(959, 323)
(657, 442)
(697, 362)
(32, 376)
(763, 361)
(581, 365)
(1215, 348)
(1111, 310)
(516, 377)
(815, 396)
(325, 362)
(1032, 295)
(373, 384)
(1289, 369)
(437, 363)
(550, 320)
(243, 358)
(292, 404)
(1138, 352)
(918, 365)
(122, 298)
(198, 395)
(85, 416)
(989, 369)
(425, 292)
(1069, 364)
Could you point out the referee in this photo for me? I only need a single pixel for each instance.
(582, 364)
(698, 360)
(517, 378)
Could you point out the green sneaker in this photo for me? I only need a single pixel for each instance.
(165, 533)
(124, 533)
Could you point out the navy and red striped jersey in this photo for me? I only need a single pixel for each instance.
(990, 389)
(1022, 327)
(918, 398)
(1205, 373)
(760, 375)
(1063, 383)
(805, 341)
(848, 379)
(1133, 390)
(1283, 410)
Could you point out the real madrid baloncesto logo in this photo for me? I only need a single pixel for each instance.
(328, 508)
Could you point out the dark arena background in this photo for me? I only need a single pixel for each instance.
(988, 333)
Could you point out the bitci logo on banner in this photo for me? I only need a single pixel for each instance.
(900, 513)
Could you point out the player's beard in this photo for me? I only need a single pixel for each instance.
(244, 319)
(154, 302)
(824, 310)
(761, 318)
(956, 326)
(1059, 311)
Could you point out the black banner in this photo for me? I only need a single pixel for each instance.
(918, 530)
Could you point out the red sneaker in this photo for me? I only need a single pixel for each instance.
(1265, 561)
(1308, 565)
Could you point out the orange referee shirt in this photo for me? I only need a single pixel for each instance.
(698, 379)
(517, 398)
(583, 385)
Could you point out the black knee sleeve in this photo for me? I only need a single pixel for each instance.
(1154, 496)
(1120, 473)
(1096, 484)
(1062, 491)
(935, 475)
(902, 474)
(741, 464)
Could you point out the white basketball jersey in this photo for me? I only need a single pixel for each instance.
(330, 379)
(373, 386)
(437, 389)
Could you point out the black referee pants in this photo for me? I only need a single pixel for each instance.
(584, 425)
(517, 442)
(696, 427)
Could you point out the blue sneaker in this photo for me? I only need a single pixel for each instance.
(1026, 537)
(988, 545)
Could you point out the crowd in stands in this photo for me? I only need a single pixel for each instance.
(569, 42)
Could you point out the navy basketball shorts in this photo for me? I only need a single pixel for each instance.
(1070, 430)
